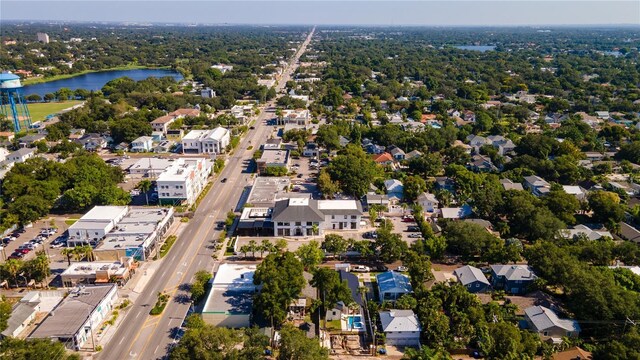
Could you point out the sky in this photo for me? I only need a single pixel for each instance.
(345, 12)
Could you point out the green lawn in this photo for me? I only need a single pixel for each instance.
(39, 111)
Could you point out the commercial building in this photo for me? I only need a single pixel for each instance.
(137, 235)
(267, 189)
(183, 181)
(95, 224)
(222, 67)
(120, 231)
(294, 117)
(74, 321)
(150, 167)
(206, 141)
(273, 158)
(230, 299)
(300, 216)
(98, 272)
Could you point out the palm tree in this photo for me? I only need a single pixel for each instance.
(314, 230)
(244, 249)
(145, 186)
(13, 267)
(265, 246)
(68, 252)
(253, 246)
(42, 266)
(87, 251)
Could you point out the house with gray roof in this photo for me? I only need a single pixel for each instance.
(392, 285)
(78, 316)
(537, 185)
(472, 278)
(514, 279)
(585, 232)
(401, 327)
(507, 184)
(548, 325)
(299, 216)
(21, 315)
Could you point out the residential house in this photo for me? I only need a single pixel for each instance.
(604, 115)
(548, 325)
(186, 112)
(28, 140)
(142, 144)
(428, 202)
(575, 190)
(343, 141)
(537, 185)
(584, 232)
(401, 327)
(395, 190)
(348, 309)
(507, 184)
(481, 163)
(503, 145)
(223, 68)
(630, 189)
(162, 123)
(20, 155)
(555, 118)
(206, 141)
(311, 150)
(183, 180)
(372, 148)
(514, 279)
(572, 353)
(164, 146)
(22, 315)
(453, 113)
(477, 141)
(445, 184)
(375, 199)
(384, 159)
(469, 116)
(456, 212)
(472, 278)
(397, 153)
(93, 142)
(392, 285)
(410, 155)
(207, 93)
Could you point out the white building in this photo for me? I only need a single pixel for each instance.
(298, 216)
(294, 117)
(206, 141)
(21, 155)
(162, 123)
(74, 321)
(183, 181)
(401, 327)
(142, 144)
(428, 202)
(222, 67)
(230, 299)
(43, 38)
(95, 224)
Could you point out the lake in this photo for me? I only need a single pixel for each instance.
(481, 48)
(95, 81)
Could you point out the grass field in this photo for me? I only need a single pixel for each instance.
(39, 111)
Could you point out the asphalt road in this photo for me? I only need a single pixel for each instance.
(141, 336)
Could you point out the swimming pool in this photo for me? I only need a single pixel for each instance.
(355, 322)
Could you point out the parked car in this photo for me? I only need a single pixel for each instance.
(402, 269)
(56, 245)
(220, 225)
(413, 229)
(360, 268)
(379, 267)
(408, 218)
(16, 256)
(415, 235)
(23, 251)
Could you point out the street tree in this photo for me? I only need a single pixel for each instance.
(310, 254)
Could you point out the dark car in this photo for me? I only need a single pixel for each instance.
(16, 256)
(224, 180)
(379, 267)
(252, 127)
(220, 225)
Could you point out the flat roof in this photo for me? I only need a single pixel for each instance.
(135, 228)
(337, 205)
(265, 190)
(72, 313)
(106, 213)
(180, 170)
(90, 268)
(230, 289)
(223, 301)
(151, 164)
(235, 275)
(278, 156)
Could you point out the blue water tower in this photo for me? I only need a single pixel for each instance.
(12, 103)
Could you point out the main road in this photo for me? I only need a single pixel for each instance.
(142, 336)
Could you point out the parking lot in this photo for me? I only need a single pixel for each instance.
(58, 261)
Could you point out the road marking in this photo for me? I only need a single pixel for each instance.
(138, 314)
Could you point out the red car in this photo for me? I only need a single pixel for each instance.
(408, 219)
(23, 251)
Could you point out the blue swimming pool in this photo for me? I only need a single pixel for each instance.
(355, 322)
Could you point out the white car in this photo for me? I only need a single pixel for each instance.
(402, 268)
(360, 268)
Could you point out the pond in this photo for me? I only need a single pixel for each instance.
(481, 48)
(95, 81)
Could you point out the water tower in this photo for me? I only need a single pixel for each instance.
(12, 103)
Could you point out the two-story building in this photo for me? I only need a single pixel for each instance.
(162, 123)
(514, 279)
(300, 216)
(472, 278)
(142, 144)
(206, 141)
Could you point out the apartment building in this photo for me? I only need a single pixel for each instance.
(183, 181)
